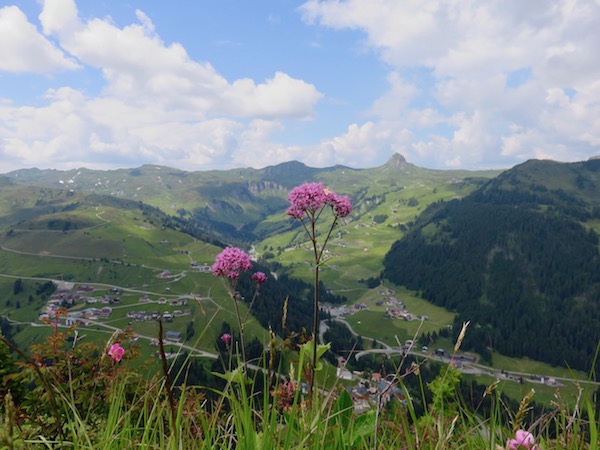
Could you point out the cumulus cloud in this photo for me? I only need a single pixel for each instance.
(24, 49)
(157, 105)
(509, 79)
(141, 68)
(471, 83)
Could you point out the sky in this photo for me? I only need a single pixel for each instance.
(221, 84)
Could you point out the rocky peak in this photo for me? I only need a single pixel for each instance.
(396, 162)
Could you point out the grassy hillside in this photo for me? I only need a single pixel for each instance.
(110, 244)
(96, 228)
(238, 204)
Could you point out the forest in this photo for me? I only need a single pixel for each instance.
(518, 263)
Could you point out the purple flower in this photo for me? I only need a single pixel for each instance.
(259, 278)
(341, 204)
(310, 197)
(523, 440)
(226, 338)
(116, 352)
(230, 262)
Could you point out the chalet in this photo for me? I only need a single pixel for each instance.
(85, 288)
(173, 335)
(344, 374)
(105, 312)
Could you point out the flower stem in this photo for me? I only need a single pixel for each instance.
(241, 328)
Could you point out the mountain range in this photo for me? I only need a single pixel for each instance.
(515, 252)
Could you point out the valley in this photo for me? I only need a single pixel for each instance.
(154, 237)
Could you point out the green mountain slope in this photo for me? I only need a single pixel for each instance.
(242, 205)
(119, 227)
(109, 242)
(518, 258)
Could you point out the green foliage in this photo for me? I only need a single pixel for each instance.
(348, 430)
(18, 286)
(380, 218)
(443, 389)
(343, 342)
(514, 258)
(80, 398)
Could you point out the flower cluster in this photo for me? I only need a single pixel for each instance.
(230, 262)
(310, 197)
(284, 394)
(226, 338)
(523, 441)
(116, 352)
(259, 278)
(341, 205)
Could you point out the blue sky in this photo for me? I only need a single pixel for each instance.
(201, 84)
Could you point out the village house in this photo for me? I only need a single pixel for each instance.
(173, 335)
(85, 288)
(368, 393)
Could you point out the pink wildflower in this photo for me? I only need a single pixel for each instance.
(284, 394)
(226, 338)
(523, 440)
(116, 352)
(341, 204)
(259, 278)
(310, 197)
(230, 262)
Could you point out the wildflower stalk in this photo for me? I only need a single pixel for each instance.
(165, 369)
(308, 201)
(241, 328)
(228, 264)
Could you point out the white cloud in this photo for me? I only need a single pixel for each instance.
(157, 104)
(280, 96)
(140, 68)
(397, 99)
(24, 49)
(361, 145)
(472, 49)
(471, 83)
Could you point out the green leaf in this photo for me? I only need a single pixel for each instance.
(364, 425)
(233, 376)
(306, 350)
(343, 409)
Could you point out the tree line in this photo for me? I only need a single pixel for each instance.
(526, 275)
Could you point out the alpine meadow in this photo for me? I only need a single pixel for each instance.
(298, 307)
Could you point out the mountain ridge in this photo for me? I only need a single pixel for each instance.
(444, 224)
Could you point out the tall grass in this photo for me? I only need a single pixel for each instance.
(261, 409)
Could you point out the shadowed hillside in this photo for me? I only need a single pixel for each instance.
(519, 258)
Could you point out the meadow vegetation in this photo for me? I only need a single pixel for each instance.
(246, 373)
